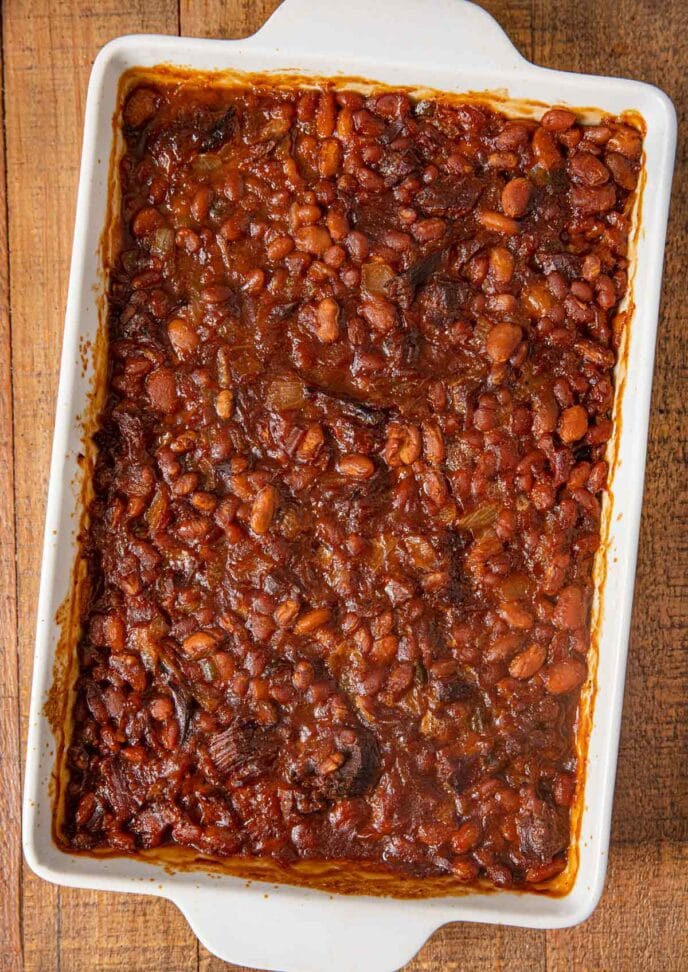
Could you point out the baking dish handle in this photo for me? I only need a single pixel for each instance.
(304, 931)
(451, 31)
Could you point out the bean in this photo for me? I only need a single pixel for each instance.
(337, 224)
(335, 257)
(215, 294)
(140, 106)
(162, 391)
(435, 487)
(263, 509)
(327, 320)
(528, 662)
(403, 444)
(513, 135)
(558, 119)
(356, 466)
(544, 872)
(224, 404)
(161, 708)
(593, 199)
(502, 305)
(370, 180)
(199, 643)
(502, 341)
(306, 214)
(582, 290)
(200, 204)
(399, 241)
(427, 230)
(254, 281)
(627, 142)
(147, 221)
(325, 114)
(186, 484)
(329, 158)
(203, 501)
(433, 443)
(570, 611)
(380, 313)
(114, 632)
(234, 228)
(279, 247)
(565, 675)
(516, 615)
(357, 245)
(312, 620)
(393, 104)
(466, 837)
(384, 649)
(286, 612)
(588, 170)
(564, 789)
(545, 149)
(573, 423)
(186, 239)
(516, 196)
(313, 239)
(622, 170)
(597, 479)
(464, 869)
(503, 160)
(497, 223)
(501, 264)
(193, 528)
(303, 675)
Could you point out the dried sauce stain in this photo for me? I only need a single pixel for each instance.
(347, 496)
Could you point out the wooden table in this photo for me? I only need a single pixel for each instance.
(47, 50)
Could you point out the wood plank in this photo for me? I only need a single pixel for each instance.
(10, 803)
(641, 920)
(464, 947)
(232, 18)
(123, 933)
(49, 48)
(516, 17)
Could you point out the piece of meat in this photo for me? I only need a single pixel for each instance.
(403, 287)
(443, 300)
(328, 768)
(244, 750)
(360, 770)
(219, 132)
(450, 197)
(542, 829)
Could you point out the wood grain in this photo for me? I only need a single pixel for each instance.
(641, 923)
(10, 815)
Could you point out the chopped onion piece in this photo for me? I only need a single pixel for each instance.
(374, 277)
(478, 518)
(162, 241)
(205, 163)
(286, 394)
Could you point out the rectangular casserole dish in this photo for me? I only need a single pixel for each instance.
(306, 925)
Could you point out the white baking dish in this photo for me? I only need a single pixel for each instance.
(445, 44)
